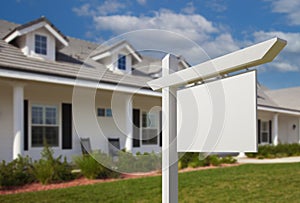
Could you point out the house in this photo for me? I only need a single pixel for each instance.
(62, 90)
(278, 115)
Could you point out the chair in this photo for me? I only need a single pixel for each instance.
(85, 145)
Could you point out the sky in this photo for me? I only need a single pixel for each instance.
(198, 30)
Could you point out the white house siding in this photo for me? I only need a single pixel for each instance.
(6, 121)
(288, 134)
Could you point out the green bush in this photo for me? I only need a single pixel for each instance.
(271, 151)
(228, 160)
(16, 173)
(92, 169)
(193, 160)
(129, 163)
(49, 169)
(214, 160)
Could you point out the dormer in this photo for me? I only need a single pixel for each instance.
(118, 58)
(38, 39)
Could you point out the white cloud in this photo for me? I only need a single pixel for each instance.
(109, 7)
(293, 39)
(288, 60)
(216, 5)
(195, 27)
(142, 2)
(213, 39)
(84, 10)
(288, 7)
(189, 9)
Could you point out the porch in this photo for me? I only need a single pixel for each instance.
(277, 126)
(32, 113)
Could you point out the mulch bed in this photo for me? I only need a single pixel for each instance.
(83, 181)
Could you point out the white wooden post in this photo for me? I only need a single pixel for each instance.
(18, 119)
(275, 129)
(169, 133)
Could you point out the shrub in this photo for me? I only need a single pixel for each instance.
(228, 160)
(128, 162)
(193, 160)
(214, 160)
(271, 151)
(16, 173)
(92, 169)
(49, 169)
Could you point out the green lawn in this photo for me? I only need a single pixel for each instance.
(245, 183)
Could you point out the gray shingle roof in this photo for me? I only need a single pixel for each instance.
(263, 99)
(286, 98)
(68, 64)
(41, 19)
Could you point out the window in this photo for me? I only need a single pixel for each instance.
(101, 112)
(265, 133)
(44, 129)
(108, 113)
(149, 128)
(40, 44)
(121, 62)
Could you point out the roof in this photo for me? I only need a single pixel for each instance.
(35, 22)
(108, 49)
(286, 98)
(69, 61)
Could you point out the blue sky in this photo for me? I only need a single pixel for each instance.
(218, 26)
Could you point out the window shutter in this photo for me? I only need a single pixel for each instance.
(270, 131)
(136, 127)
(25, 125)
(66, 126)
(258, 131)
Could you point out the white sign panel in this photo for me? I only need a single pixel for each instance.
(218, 116)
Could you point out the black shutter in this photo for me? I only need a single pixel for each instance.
(136, 127)
(25, 125)
(258, 131)
(160, 128)
(66, 126)
(270, 131)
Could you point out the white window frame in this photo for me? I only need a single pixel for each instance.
(57, 124)
(41, 48)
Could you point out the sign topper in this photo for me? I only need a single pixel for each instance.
(242, 59)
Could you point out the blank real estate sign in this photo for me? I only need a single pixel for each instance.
(218, 116)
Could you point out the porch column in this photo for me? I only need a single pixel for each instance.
(275, 129)
(129, 123)
(18, 119)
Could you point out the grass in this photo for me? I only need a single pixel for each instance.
(245, 183)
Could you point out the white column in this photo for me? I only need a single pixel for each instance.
(18, 120)
(275, 129)
(169, 133)
(128, 124)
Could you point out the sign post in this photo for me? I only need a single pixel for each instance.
(251, 56)
(169, 130)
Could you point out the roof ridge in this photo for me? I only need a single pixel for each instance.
(17, 24)
(76, 38)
